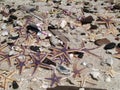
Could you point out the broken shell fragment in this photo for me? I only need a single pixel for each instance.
(108, 79)
(109, 61)
(64, 70)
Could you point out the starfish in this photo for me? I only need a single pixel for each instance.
(110, 72)
(77, 71)
(64, 52)
(85, 79)
(7, 79)
(38, 61)
(6, 57)
(54, 79)
(112, 30)
(105, 19)
(20, 65)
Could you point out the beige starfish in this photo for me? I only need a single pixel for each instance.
(112, 30)
(85, 79)
(111, 72)
(6, 79)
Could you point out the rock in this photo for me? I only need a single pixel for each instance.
(95, 74)
(80, 54)
(49, 62)
(110, 46)
(102, 41)
(15, 85)
(87, 20)
(4, 33)
(54, 41)
(63, 23)
(93, 26)
(108, 79)
(109, 61)
(64, 70)
(35, 48)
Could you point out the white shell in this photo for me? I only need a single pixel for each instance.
(63, 23)
(12, 52)
(4, 33)
(108, 79)
(3, 26)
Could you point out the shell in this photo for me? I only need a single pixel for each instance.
(4, 33)
(64, 70)
(63, 23)
(108, 79)
(109, 61)
(95, 74)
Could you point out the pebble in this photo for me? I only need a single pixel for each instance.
(15, 85)
(95, 74)
(108, 79)
(64, 70)
(102, 41)
(35, 48)
(54, 41)
(63, 23)
(87, 20)
(109, 61)
(4, 33)
(49, 62)
(110, 46)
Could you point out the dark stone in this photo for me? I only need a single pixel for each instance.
(15, 85)
(93, 26)
(110, 46)
(14, 37)
(83, 33)
(116, 6)
(118, 45)
(49, 62)
(80, 54)
(52, 27)
(4, 41)
(87, 20)
(12, 10)
(35, 48)
(13, 17)
(33, 28)
(10, 44)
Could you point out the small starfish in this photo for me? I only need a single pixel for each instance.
(110, 72)
(38, 61)
(54, 79)
(6, 57)
(7, 79)
(105, 19)
(77, 71)
(112, 30)
(85, 79)
(64, 52)
(20, 65)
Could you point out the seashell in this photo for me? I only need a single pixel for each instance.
(54, 41)
(111, 51)
(64, 70)
(108, 79)
(12, 52)
(3, 26)
(95, 74)
(102, 41)
(109, 61)
(4, 33)
(63, 23)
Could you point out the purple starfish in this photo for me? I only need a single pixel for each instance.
(54, 79)
(20, 65)
(38, 61)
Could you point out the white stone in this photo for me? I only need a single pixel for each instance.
(95, 74)
(4, 33)
(108, 79)
(63, 23)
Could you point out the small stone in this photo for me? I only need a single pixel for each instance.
(93, 26)
(54, 41)
(87, 20)
(108, 79)
(49, 62)
(15, 85)
(63, 23)
(4, 33)
(102, 41)
(110, 46)
(80, 54)
(109, 61)
(95, 74)
(35, 48)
